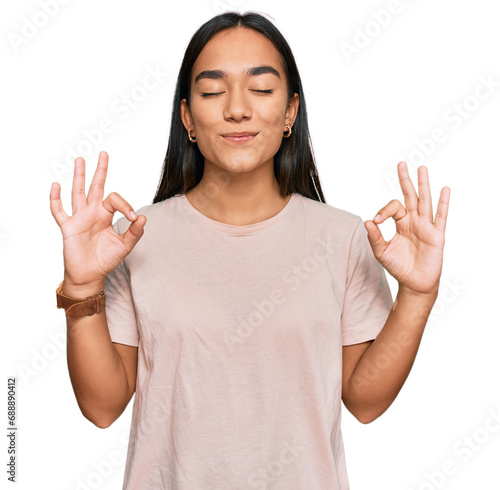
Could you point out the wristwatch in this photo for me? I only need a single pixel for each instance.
(76, 308)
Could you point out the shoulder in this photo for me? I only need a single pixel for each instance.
(336, 218)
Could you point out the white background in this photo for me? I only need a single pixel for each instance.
(420, 66)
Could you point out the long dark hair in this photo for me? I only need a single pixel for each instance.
(294, 164)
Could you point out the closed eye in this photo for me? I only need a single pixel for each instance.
(207, 94)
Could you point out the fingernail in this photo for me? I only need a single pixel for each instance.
(133, 215)
(376, 217)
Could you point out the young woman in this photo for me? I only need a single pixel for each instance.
(246, 308)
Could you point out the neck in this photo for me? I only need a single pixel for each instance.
(238, 198)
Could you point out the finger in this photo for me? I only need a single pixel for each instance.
(114, 202)
(134, 232)
(78, 199)
(393, 209)
(411, 198)
(375, 238)
(96, 190)
(56, 207)
(442, 209)
(424, 194)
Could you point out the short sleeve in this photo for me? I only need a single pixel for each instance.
(367, 298)
(120, 311)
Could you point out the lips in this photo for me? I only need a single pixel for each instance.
(240, 137)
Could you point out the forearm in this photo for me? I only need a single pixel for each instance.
(382, 370)
(96, 370)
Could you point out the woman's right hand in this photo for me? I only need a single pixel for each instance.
(91, 247)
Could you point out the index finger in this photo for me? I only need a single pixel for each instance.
(96, 190)
(56, 207)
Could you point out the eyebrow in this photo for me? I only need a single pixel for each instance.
(254, 71)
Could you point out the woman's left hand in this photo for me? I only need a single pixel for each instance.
(414, 255)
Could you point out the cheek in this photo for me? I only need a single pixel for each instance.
(275, 124)
(207, 120)
(207, 117)
(274, 117)
(273, 113)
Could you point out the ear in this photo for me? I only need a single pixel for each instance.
(186, 117)
(293, 108)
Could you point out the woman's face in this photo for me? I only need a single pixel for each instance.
(239, 103)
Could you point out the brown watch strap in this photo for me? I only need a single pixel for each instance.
(76, 308)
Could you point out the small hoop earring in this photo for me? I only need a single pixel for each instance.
(193, 140)
(289, 127)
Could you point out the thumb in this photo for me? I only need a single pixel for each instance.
(134, 232)
(375, 238)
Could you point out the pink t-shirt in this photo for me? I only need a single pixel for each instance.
(240, 332)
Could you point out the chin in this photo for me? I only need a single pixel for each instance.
(244, 166)
(238, 163)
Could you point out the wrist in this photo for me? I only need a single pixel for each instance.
(428, 296)
(82, 301)
(82, 291)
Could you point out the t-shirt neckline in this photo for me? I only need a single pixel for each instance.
(240, 229)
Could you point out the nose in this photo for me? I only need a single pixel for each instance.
(237, 106)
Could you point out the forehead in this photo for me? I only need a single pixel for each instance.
(235, 50)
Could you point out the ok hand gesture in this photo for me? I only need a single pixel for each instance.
(91, 247)
(414, 255)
